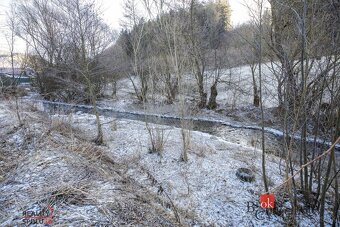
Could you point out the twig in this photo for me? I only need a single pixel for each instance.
(162, 191)
(330, 182)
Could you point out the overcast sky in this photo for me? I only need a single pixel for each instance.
(112, 14)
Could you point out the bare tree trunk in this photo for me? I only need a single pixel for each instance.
(324, 188)
(212, 104)
(169, 93)
(86, 73)
(304, 177)
(264, 175)
(203, 95)
(336, 183)
(11, 43)
(93, 98)
(171, 88)
(197, 60)
(114, 88)
(256, 97)
(199, 75)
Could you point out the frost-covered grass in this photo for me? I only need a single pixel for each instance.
(50, 161)
(122, 182)
(206, 186)
(235, 88)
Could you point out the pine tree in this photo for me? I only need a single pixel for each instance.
(225, 13)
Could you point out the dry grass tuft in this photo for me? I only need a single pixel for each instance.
(157, 139)
(62, 126)
(3, 166)
(8, 163)
(68, 194)
(137, 210)
(201, 150)
(186, 127)
(96, 158)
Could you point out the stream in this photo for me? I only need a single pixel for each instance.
(230, 131)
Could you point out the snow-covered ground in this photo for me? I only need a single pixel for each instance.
(53, 155)
(51, 160)
(234, 90)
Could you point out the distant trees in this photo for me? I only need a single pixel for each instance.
(255, 60)
(170, 46)
(302, 32)
(135, 46)
(201, 32)
(204, 35)
(11, 41)
(301, 40)
(67, 39)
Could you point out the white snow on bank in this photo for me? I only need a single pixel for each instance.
(206, 185)
(236, 125)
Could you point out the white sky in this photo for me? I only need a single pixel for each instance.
(112, 14)
(113, 11)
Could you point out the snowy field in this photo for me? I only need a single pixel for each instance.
(234, 90)
(52, 161)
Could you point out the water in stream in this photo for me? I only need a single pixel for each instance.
(232, 132)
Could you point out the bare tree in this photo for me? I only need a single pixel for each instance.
(257, 17)
(134, 39)
(68, 39)
(170, 44)
(94, 38)
(11, 38)
(297, 41)
(246, 35)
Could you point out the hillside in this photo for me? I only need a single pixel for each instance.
(51, 160)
